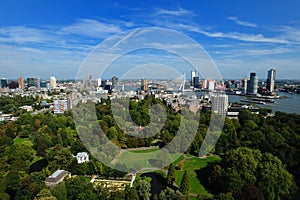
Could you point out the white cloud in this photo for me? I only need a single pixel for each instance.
(178, 12)
(245, 37)
(22, 34)
(91, 28)
(242, 23)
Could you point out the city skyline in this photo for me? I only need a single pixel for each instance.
(52, 38)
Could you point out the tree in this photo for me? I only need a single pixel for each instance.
(185, 184)
(249, 192)
(171, 174)
(132, 194)
(45, 194)
(143, 189)
(273, 179)
(79, 187)
(169, 194)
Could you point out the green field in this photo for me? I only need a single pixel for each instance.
(191, 165)
(144, 158)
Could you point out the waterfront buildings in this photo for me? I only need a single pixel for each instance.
(271, 80)
(252, 84)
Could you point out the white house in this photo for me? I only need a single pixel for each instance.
(82, 157)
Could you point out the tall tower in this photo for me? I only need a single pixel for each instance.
(271, 80)
(211, 85)
(244, 85)
(219, 104)
(21, 83)
(193, 75)
(252, 84)
(144, 84)
(4, 83)
(37, 82)
(53, 82)
(114, 81)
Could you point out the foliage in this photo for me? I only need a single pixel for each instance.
(185, 185)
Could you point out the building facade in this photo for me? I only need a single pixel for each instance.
(219, 104)
(271, 80)
(252, 84)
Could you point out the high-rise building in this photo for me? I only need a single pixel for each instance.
(21, 83)
(244, 85)
(4, 82)
(43, 84)
(13, 85)
(33, 82)
(37, 82)
(271, 80)
(114, 81)
(204, 84)
(211, 85)
(99, 82)
(193, 75)
(53, 82)
(219, 104)
(144, 84)
(90, 81)
(196, 82)
(30, 82)
(252, 84)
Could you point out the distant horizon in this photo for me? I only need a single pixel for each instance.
(238, 36)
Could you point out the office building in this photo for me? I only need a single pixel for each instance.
(252, 84)
(114, 81)
(21, 83)
(53, 82)
(204, 84)
(271, 80)
(211, 85)
(43, 84)
(196, 82)
(244, 86)
(33, 82)
(144, 84)
(4, 82)
(193, 75)
(37, 82)
(219, 104)
(13, 85)
(99, 82)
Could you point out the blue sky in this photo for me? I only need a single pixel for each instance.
(45, 38)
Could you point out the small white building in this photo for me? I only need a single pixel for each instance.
(82, 157)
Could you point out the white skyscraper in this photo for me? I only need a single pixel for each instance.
(219, 104)
(271, 80)
(211, 85)
(53, 82)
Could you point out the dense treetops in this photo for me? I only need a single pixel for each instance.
(259, 154)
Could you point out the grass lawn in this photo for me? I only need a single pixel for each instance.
(20, 140)
(191, 166)
(144, 158)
